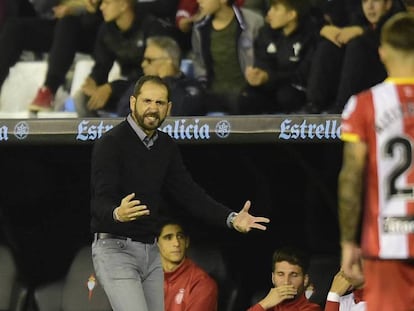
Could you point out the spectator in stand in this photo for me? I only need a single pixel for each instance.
(72, 34)
(222, 46)
(12, 8)
(162, 57)
(375, 181)
(345, 294)
(187, 287)
(362, 67)
(340, 26)
(283, 54)
(77, 34)
(346, 61)
(186, 15)
(33, 33)
(121, 38)
(290, 279)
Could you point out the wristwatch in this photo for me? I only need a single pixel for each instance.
(230, 219)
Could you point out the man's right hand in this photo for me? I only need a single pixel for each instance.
(278, 294)
(340, 284)
(130, 209)
(351, 260)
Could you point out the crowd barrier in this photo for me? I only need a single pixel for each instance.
(193, 130)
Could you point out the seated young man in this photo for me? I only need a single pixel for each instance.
(290, 279)
(72, 34)
(346, 60)
(186, 286)
(283, 51)
(222, 46)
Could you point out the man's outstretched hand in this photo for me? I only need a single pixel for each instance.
(244, 222)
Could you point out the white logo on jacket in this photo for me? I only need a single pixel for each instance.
(297, 46)
(271, 48)
(180, 296)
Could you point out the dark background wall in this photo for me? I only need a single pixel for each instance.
(44, 204)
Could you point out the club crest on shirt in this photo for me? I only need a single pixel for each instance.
(297, 46)
(180, 296)
(408, 91)
(271, 48)
(139, 43)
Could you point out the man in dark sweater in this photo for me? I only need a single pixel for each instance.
(133, 165)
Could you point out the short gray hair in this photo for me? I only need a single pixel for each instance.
(169, 45)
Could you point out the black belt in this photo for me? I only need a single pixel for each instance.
(101, 235)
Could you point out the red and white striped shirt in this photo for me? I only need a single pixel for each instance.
(383, 118)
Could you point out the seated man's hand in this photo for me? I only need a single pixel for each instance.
(62, 10)
(256, 76)
(278, 294)
(89, 86)
(331, 33)
(348, 33)
(91, 5)
(340, 284)
(100, 97)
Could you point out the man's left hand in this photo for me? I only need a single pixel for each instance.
(244, 222)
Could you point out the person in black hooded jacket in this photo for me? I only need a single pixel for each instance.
(346, 60)
(283, 51)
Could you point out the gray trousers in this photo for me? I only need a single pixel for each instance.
(130, 273)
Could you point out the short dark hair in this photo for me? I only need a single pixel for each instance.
(292, 255)
(398, 32)
(301, 7)
(153, 79)
(165, 221)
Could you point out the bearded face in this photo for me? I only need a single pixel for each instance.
(151, 107)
